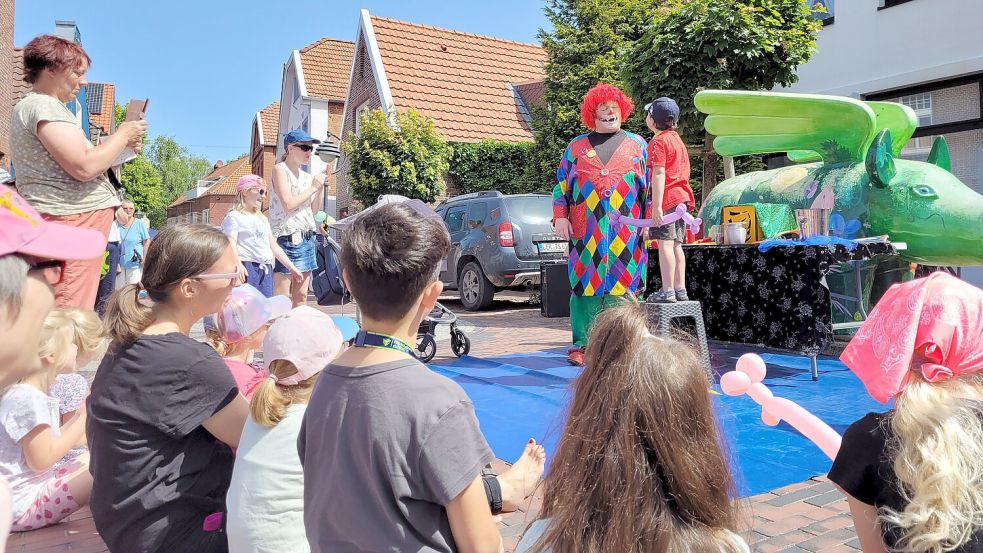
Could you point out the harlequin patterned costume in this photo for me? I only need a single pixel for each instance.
(605, 260)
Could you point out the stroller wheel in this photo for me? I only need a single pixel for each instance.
(460, 343)
(426, 348)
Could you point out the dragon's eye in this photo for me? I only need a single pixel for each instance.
(924, 190)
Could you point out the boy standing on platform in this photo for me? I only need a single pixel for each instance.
(668, 164)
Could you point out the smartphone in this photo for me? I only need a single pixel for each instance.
(137, 109)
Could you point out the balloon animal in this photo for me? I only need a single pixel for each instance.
(693, 223)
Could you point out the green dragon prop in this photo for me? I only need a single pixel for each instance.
(853, 149)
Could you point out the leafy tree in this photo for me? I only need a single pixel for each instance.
(407, 157)
(726, 44)
(178, 168)
(584, 47)
(143, 185)
(493, 165)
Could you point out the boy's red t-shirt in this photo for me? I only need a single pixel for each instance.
(668, 150)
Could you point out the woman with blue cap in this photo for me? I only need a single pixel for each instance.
(292, 206)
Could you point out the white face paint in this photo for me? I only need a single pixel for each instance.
(607, 117)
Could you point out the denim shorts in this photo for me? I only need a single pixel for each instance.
(260, 277)
(303, 255)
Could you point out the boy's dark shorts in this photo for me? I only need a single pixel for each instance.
(675, 230)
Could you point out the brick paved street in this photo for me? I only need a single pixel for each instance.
(808, 516)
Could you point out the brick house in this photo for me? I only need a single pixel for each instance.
(312, 97)
(473, 87)
(7, 53)
(262, 144)
(212, 196)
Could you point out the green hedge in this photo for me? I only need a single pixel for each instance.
(492, 165)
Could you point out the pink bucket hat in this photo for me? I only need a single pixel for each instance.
(245, 311)
(22, 230)
(249, 181)
(939, 317)
(307, 338)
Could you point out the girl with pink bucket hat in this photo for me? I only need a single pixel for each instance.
(913, 476)
(266, 496)
(238, 329)
(252, 238)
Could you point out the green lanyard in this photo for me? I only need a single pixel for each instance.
(366, 339)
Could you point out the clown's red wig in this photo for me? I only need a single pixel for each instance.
(603, 92)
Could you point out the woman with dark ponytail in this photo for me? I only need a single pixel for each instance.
(165, 413)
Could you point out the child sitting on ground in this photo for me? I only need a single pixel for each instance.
(668, 163)
(237, 330)
(913, 476)
(640, 467)
(70, 388)
(33, 439)
(266, 496)
(391, 450)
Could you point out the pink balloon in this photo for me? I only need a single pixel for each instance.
(747, 379)
(752, 365)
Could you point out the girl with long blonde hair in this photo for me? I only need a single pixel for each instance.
(251, 236)
(640, 467)
(913, 476)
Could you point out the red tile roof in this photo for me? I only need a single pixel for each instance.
(228, 175)
(269, 121)
(326, 65)
(459, 80)
(107, 114)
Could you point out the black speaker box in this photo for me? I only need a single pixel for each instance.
(554, 290)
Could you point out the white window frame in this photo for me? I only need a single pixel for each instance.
(359, 111)
(922, 105)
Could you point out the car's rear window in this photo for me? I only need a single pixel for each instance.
(531, 209)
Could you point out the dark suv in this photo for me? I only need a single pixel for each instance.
(497, 243)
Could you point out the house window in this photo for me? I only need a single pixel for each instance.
(823, 10)
(360, 111)
(922, 105)
(891, 3)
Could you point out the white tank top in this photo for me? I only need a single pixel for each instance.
(298, 220)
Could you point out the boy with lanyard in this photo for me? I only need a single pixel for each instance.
(392, 454)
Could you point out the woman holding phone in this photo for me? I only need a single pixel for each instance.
(59, 171)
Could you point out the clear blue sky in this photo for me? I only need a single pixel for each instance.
(209, 65)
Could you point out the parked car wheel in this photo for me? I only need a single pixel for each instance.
(475, 290)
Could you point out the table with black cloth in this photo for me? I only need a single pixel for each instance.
(777, 298)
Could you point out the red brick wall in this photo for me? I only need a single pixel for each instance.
(6, 77)
(218, 207)
(362, 89)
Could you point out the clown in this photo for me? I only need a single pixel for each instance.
(601, 172)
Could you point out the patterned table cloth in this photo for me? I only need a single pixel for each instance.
(777, 298)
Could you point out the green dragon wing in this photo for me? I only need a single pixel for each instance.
(898, 118)
(840, 129)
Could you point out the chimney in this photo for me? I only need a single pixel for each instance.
(218, 165)
(68, 30)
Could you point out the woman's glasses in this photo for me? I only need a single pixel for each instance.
(53, 270)
(304, 147)
(235, 279)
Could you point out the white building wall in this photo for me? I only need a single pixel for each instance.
(867, 50)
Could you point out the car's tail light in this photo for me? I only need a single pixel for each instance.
(505, 235)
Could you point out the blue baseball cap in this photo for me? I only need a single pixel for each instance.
(664, 111)
(298, 135)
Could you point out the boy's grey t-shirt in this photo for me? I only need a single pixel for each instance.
(385, 448)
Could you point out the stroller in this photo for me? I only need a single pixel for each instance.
(329, 288)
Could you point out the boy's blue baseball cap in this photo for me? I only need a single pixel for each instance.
(664, 111)
(298, 135)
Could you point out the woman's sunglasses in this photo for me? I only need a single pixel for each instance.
(53, 270)
(261, 191)
(304, 147)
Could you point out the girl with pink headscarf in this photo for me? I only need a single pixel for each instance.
(251, 236)
(914, 475)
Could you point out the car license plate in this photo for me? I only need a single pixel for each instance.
(552, 247)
